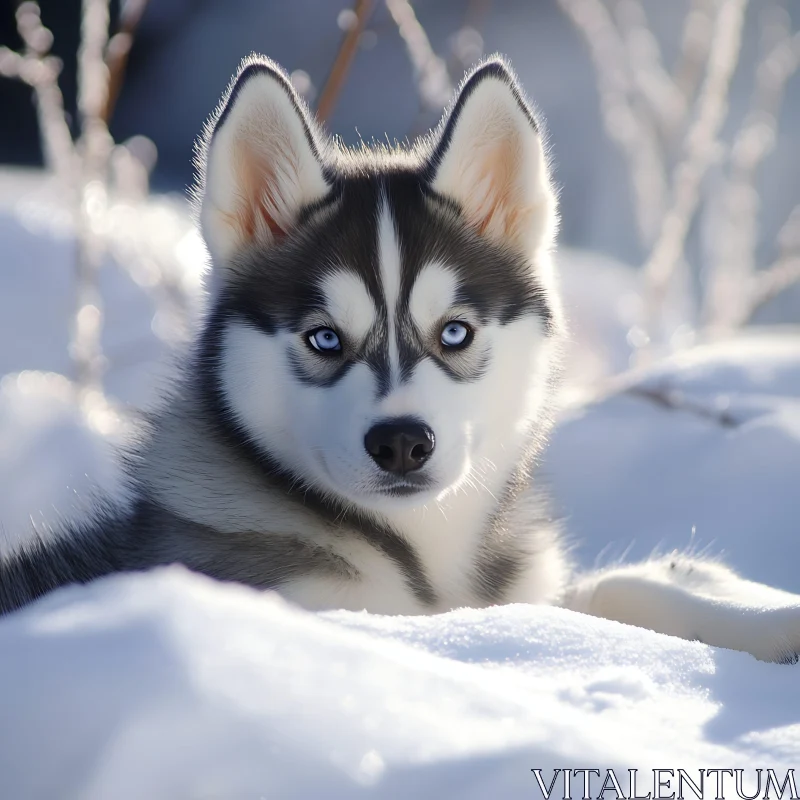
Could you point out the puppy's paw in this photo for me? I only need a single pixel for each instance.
(773, 634)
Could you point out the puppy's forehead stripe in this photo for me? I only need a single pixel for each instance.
(349, 303)
(390, 266)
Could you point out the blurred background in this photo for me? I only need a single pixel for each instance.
(673, 130)
(185, 51)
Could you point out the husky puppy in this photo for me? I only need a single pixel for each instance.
(358, 422)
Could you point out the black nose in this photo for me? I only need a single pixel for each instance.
(400, 446)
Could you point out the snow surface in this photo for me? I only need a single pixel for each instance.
(54, 455)
(168, 685)
(715, 472)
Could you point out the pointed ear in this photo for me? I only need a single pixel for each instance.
(490, 159)
(260, 162)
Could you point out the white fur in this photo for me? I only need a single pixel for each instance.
(432, 295)
(349, 304)
(389, 262)
(382, 588)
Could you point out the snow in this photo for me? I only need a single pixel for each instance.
(45, 434)
(632, 476)
(168, 685)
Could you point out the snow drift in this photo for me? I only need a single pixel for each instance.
(171, 686)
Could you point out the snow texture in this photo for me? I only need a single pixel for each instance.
(714, 471)
(171, 686)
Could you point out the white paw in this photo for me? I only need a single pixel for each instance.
(771, 634)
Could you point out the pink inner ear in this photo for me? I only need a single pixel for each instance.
(498, 207)
(259, 206)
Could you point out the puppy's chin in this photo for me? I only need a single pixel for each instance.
(389, 496)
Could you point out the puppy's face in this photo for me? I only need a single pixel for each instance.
(384, 324)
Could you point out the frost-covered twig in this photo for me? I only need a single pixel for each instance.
(768, 283)
(676, 400)
(40, 70)
(626, 121)
(83, 165)
(95, 147)
(666, 102)
(698, 26)
(729, 302)
(362, 10)
(92, 69)
(700, 150)
(773, 281)
(433, 80)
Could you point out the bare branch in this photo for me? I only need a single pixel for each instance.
(40, 71)
(734, 268)
(433, 80)
(13, 65)
(625, 122)
(118, 51)
(95, 146)
(344, 59)
(92, 69)
(675, 400)
(666, 102)
(698, 27)
(768, 283)
(772, 281)
(699, 152)
(87, 168)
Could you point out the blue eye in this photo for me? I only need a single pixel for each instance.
(456, 334)
(324, 340)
